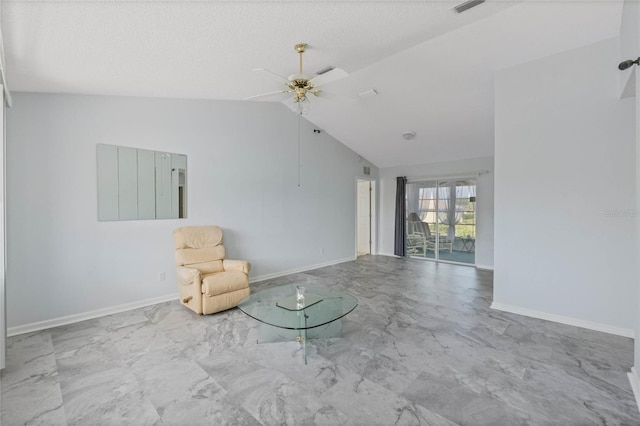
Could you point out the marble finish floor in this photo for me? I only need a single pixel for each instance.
(422, 348)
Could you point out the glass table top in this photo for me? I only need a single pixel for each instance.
(266, 306)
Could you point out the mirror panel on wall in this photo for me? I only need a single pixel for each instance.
(140, 184)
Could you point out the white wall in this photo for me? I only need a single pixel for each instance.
(564, 190)
(630, 49)
(484, 203)
(635, 380)
(242, 176)
(629, 44)
(3, 305)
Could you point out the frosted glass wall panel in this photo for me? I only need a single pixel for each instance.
(140, 184)
(127, 183)
(163, 185)
(146, 185)
(107, 182)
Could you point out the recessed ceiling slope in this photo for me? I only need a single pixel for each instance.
(432, 68)
(443, 88)
(205, 49)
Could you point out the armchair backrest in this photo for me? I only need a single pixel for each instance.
(199, 247)
(416, 226)
(422, 228)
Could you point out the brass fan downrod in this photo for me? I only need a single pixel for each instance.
(300, 84)
(300, 48)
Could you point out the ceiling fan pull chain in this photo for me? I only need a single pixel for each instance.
(299, 149)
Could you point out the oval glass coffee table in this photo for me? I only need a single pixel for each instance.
(317, 317)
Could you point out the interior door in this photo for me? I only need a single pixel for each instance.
(363, 222)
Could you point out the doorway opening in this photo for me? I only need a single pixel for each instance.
(441, 220)
(365, 217)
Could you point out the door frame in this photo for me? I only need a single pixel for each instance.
(3, 239)
(373, 217)
(437, 180)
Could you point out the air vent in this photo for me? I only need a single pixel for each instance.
(467, 5)
(366, 170)
(327, 69)
(368, 93)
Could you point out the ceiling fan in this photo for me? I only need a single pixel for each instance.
(301, 85)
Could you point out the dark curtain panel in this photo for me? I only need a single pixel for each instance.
(400, 246)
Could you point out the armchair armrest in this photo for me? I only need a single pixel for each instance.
(188, 276)
(190, 287)
(236, 265)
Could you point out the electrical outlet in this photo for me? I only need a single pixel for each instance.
(161, 276)
(321, 250)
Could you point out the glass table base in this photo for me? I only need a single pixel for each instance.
(270, 334)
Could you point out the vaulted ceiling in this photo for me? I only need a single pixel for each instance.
(432, 68)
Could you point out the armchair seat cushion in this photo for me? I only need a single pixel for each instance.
(224, 282)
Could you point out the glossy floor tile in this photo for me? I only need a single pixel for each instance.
(422, 348)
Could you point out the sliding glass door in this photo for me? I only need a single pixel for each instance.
(441, 219)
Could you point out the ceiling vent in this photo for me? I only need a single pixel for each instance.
(368, 93)
(327, 69)
(467, 5)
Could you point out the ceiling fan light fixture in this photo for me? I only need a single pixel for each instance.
(301, 85)
(303, 105)
(299, 105)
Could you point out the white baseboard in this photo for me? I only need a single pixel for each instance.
(57, 322)
(618, 331)
(484, 267)
(298, 270)
(390, 255)
(635, 385)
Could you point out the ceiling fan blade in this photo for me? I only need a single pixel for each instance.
(333, 96)
(329, 77)
(273, 75)
(267, 95)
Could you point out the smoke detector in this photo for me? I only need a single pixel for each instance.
(408, 135)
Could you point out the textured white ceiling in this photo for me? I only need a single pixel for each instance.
(432, 67)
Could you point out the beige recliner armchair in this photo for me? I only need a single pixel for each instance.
(207, 282)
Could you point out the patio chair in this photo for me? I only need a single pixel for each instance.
(416, 226)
